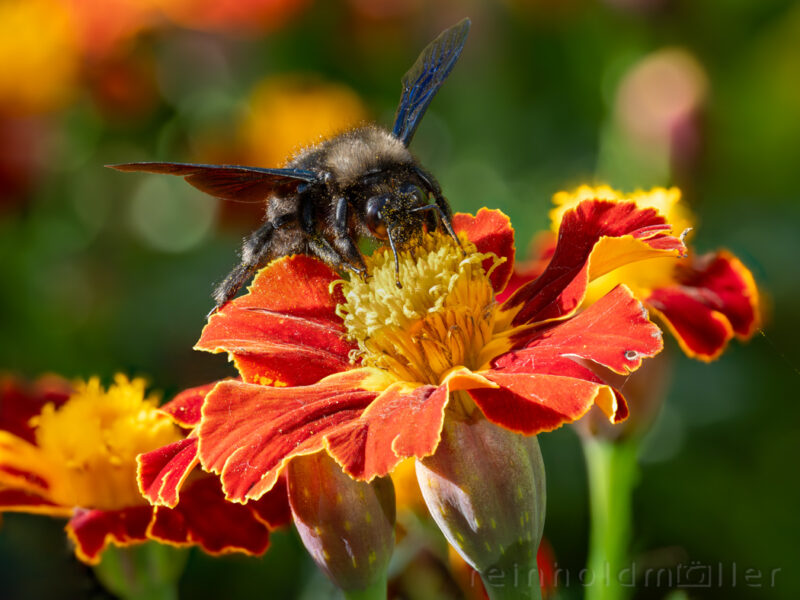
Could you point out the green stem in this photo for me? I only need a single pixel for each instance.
(520, 582)
(613, 473)
(142, 572)
(377, 591)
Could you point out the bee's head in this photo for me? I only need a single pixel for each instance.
(398, 215)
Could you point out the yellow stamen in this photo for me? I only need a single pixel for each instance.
(443, 316)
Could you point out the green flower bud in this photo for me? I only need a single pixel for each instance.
(485, 488)
(346, 525)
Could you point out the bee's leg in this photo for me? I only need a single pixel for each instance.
(442, 207)
(324, 250)
(318, 243)
(432, 220)
(253, 246)
(396, 258)
(343, 241)
(445, 220)
(255, 254)
(444, 215)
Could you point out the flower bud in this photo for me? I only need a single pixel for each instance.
(485, 488)
(346, 525)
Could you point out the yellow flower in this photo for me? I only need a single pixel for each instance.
(85, 450)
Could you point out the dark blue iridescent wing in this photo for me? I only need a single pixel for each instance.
(230, 182)
(425, 78)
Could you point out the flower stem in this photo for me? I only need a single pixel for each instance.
(146, 571)
(613, 474)
(376, 591)
(519, 583)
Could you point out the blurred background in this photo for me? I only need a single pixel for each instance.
(103, 271)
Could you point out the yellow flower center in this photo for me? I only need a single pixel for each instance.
(443, 316)
(91, 443)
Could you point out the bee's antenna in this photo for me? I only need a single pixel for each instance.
(396, 259)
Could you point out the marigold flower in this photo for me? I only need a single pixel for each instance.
(705, 301)
(372, 366)
(71, 452)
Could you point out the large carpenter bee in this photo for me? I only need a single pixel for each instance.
(361, 183)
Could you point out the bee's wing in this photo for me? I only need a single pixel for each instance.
(425, 78)
(230, 182)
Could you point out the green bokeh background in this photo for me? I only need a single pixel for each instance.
(528, 111)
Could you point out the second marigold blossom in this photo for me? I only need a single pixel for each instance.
(365, 370)
(705, 300)
(70, 451)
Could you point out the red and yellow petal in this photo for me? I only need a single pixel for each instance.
(16, 500)
(534, 403)
(715, 298)
(92, 530)
(403, 422)
(400, 423)
(20, 402)
(249, 432)
(735, 287)
(285, 329)
(203, 517)
(161, 472)
(491, 232)
(24, 467)
(185, 407)
(541, 252)
(272, 508)
(614, 333)
(365, 420)
(594, 238)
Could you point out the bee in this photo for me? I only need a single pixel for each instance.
(363, 183)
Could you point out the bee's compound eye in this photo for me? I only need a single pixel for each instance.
(373, 217)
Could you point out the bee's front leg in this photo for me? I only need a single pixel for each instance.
(322, 247)
(443, 209)
(343, 240)
(445, 216)
(255, 254)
